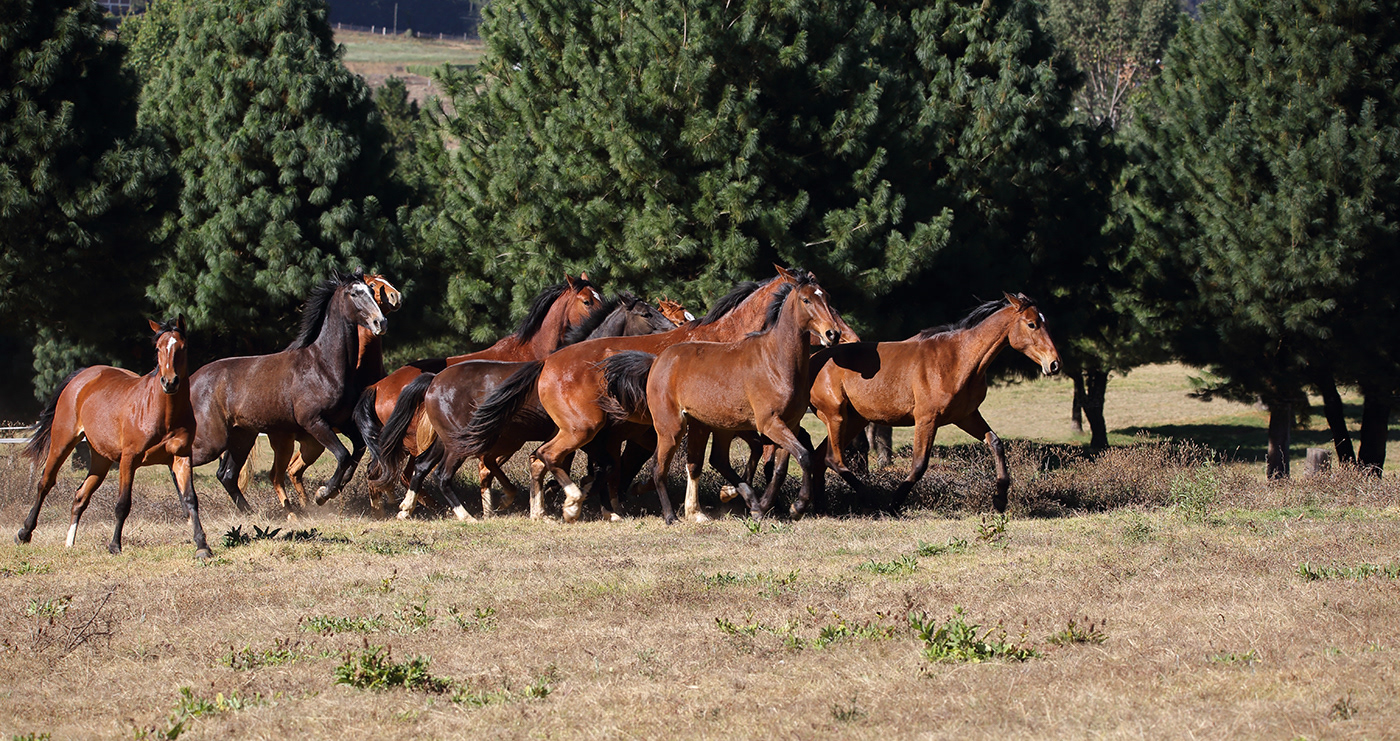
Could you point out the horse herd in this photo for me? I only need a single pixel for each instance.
(616, 378)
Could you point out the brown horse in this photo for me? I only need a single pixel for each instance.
(450, 399)
(305, 388)
(554, 313)
(674, 312)
(571, 388)
(936, 379)
(134, 420)
(369, 369)
(756, 384)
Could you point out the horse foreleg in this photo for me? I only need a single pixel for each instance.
(924, 430)
(344, 463)
(97, 471)
(696, 436)
(308, 451)
(556, 456)
(976, 426)
(183, 473)
(840, 431)
(777, 430)
(126, 475)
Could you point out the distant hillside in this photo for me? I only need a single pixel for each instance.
(452, 17)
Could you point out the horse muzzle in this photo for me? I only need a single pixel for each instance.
(1051, 368)
(831, 337)
(379, 327)
(170, 387)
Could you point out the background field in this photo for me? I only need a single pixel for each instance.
(376, 58)
(1226, 607)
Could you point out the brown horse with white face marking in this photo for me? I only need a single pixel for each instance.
(133, 420)
(937, 378)
(369, 369)
(304, 388)
(674, 312)
(756, 384)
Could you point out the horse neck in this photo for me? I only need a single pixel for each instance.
(371, 351)
(978, 346)
(785, 344)
(338, 343)
(742, 319)
(614, 326)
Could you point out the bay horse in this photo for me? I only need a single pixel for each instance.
(369, 369)
(305, 388)
(450, 399)
(553, 314)
(758, 384)
(133, 420)
(937, 378)
(570, 387)
(674, 312)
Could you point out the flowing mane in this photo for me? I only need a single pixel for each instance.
(313, 313)
(599, 315)
(539, 309)
(775, 307)
(726, 303)
(974, 318)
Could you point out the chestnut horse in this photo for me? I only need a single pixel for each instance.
(571, 388)
(305, 388)
(450, 399)
(369, 369)
(134, 420)
(554, 313)
(937, 378)
(758, 384)
(674, 312)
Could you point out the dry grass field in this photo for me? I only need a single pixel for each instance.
(376, 58)
(1147, 593)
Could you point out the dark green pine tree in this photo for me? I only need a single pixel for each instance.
(75, 190)
(1265, 198)
(279, 152)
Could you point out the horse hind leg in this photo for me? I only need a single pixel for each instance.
(240, 444)
(281, 459)
(308, 451)
(48, 476)
(97, 471)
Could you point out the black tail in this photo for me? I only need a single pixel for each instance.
(38, 447)
(367, 422)
(626, 375)
(498, 408)
(390, 440)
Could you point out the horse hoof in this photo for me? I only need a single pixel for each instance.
(614, 517)
(114, 548)
(670, 520)
(322, 495)
(756, 514)
(999, 502)
(22, 537)
(506, 501)
(727, 493)
(291, 517)
(204, 554)
(573, 513)
(701, 517)
(404, 514)
(462, 514)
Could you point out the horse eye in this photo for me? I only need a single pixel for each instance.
(805, 301)
(1030, 324)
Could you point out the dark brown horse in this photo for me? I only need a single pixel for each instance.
(757, 384)
(133, 420)
(571, 388)
(305, 388)
(937, 378)
(369, 369)
(450, 399)
(554, 313)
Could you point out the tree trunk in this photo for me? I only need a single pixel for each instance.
(1095, 389)
(1375, 424)
(1336, 418)
(1280, 430)
(1076, 415)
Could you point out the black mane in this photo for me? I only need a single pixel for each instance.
(539, 309)
(169, 325)
(775, 307)
(728, 301)
(313, 314)
(600, 314)
(975, 317)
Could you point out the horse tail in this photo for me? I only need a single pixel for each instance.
(367, 422)
(626, 376)
(38, 447)
(498, 408)
(391, 438)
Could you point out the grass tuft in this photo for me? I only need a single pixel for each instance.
(959, 641)
(374, 669)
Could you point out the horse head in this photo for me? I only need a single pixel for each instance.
(1029, 335)
(385, 294)
(363, 309)
(641, 317)
(815, 315)
(580, 299)
(674, 312)
(171, 363)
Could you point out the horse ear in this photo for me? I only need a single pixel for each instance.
(583, 276)
(784, 272)
(360, 272)
(1017, 301)
(155, 326)
(569, 281)
(180, 322)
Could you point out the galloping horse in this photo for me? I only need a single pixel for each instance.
(305, 388)
(135, 420)
(450, 399)
(369, 368)
(554, 313)
(571, 387)
(758, 384)
(937, 378)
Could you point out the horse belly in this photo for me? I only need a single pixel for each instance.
(877, 400)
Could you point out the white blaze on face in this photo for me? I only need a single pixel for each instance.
(689, 317)
(818, 292)
(1042, 317)
(596, 296)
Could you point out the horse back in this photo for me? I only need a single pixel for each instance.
(719, 384)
